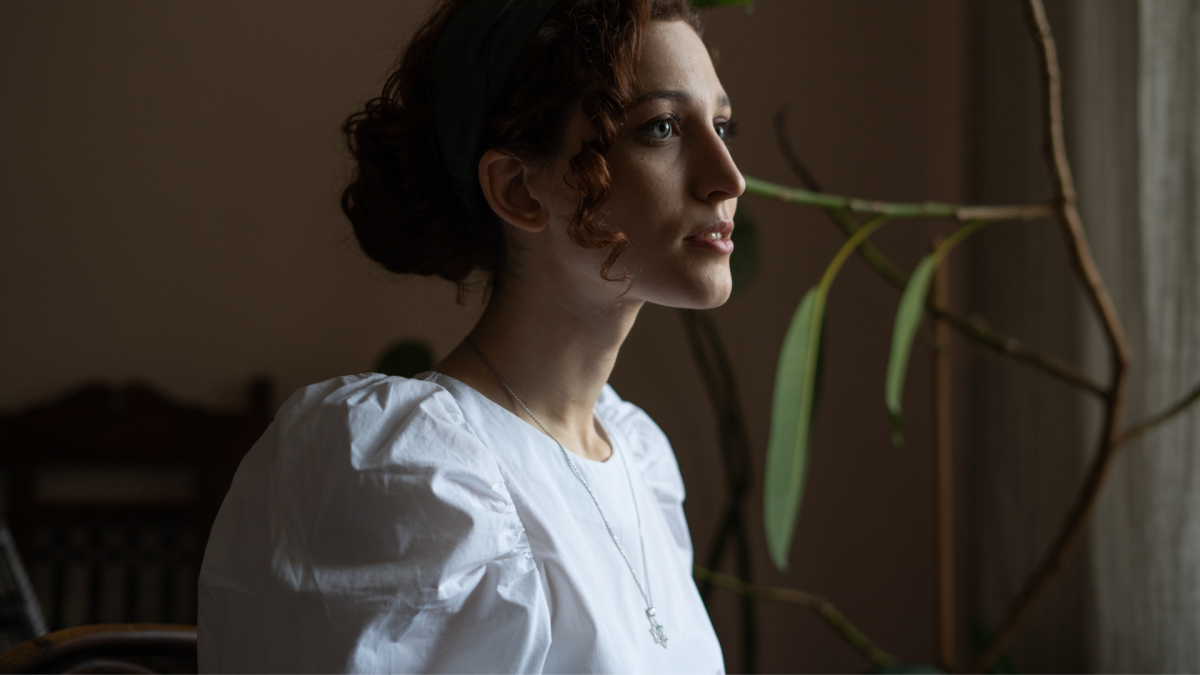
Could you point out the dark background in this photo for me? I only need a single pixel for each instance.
(169, 175)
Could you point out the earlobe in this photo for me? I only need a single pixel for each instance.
(505, 180)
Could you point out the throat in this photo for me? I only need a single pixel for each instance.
(592, 442)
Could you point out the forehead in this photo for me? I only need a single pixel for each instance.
(674, 58)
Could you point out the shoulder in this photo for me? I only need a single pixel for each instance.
(370, 515)
(376, 423)
(647, 444)
(373, 469)
(368, 458)
(371, 442)
(629, 418)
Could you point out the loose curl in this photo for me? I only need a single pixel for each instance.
(400, 201)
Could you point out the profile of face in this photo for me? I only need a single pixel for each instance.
(674, 188)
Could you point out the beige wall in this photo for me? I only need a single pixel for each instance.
(168, 183)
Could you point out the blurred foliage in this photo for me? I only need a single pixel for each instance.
(981, 637)
(743, 262)
(406, 358)
(909, 315)
(793, 405)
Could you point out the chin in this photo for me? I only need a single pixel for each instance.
(714, 299)
(712, 295)
(704, 293)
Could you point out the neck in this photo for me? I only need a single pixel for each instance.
(555, 347)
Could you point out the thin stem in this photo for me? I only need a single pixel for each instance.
(1179, 406)
(978, 330)
(728, 523)
(1055, 559)
(876, 259)
(868, 252)
(845, 252)
(822, 607)
(749, 607)
(893, 210)
(734, 422)
(709, 354)
(1085, 266)
(943, 472)
(799, 168)
(712, 361)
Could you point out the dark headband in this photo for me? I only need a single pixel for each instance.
(474, 56)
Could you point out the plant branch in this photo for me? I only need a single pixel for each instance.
(876, 259)
(815, 603)
(894, 210)
(712, 360)
(943, 466)
(784, 142)
(1146, 425)
(978, 330)
(1064, 207)
(708, 351)
(975, 329)
(1085, 266)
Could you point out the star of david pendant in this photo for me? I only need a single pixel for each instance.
(656, 629)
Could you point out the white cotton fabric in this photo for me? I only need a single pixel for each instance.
(385, 524)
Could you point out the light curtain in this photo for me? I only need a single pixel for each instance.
(1145, 541)
(1130, 598)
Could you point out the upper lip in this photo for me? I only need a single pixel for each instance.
(725, 227)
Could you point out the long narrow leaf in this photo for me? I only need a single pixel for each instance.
(908, 321)
(792, 408)
(791, 415)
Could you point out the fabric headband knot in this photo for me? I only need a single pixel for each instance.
(473, 58)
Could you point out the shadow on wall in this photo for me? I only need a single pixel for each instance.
(170, 182)
(110, 495)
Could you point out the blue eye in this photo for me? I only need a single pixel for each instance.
(661, 129)
(726, 130)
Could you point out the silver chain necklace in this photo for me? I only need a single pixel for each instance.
(656, 629)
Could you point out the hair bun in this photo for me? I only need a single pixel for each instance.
(400, 201)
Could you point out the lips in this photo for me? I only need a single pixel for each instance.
(714, 237)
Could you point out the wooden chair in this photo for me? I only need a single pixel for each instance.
(111, 496)
(107, 648)
(20, 612)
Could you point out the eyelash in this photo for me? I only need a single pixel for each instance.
(731, 128)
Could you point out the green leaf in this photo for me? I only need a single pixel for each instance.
(792, 407)
(406, 358)
(791, 417)
(981, 636)
(743, 262)
(908, 321)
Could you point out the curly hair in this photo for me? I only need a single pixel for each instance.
(400, 200)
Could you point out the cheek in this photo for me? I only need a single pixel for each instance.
(645, 197)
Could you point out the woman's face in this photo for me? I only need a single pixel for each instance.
(674, 186)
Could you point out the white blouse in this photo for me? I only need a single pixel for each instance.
(385, 524)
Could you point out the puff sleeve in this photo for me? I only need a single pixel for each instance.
(370, 530)
(655, 460)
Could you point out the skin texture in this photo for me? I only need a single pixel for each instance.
(553, 327)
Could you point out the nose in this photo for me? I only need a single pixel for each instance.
(717, 178)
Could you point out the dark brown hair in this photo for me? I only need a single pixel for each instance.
(400, 201)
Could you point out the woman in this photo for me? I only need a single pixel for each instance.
(507, 512)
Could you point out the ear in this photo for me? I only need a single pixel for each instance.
(507, 185)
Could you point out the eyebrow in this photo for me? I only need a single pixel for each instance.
(674, 95)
